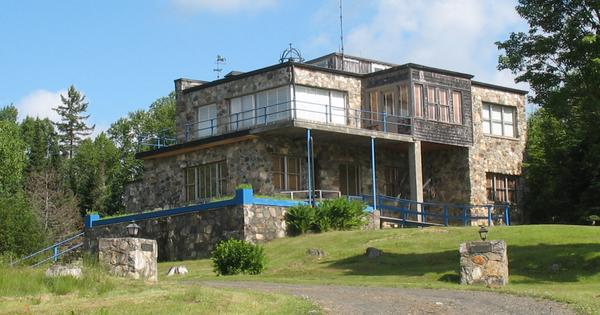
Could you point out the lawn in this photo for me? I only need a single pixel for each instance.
(428, 258)
(27, 291)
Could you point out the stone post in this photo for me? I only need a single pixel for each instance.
(129, 257)
(415, 170)
(484, 263)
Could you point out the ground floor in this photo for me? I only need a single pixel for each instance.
(278, 164)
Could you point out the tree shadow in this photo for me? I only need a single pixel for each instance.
(535, 263)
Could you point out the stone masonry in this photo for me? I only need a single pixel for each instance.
(484, 263)
(129, 257)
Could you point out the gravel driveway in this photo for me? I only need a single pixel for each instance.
(337, 299)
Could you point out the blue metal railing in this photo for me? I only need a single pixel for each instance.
(55, 250)
(434, 213)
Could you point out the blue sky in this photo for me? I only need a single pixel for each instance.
(124, 54)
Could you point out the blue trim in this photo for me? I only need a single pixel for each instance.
(244, 196)
(279, 203)
(90, 218)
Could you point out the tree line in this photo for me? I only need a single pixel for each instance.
(53, 173)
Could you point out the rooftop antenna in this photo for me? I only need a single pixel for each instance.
(342, 34)
(218, 63)
(291, 54)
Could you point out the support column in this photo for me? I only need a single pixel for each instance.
(309, 166)
(416, 175)
(373, 174)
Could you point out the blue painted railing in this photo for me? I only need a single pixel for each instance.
(434, 213)
(72, 243)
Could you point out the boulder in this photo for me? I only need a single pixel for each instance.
(177, 270)
(58, 270)
(373, 252)
(315, 252)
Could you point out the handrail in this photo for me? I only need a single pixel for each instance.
(53, 247)
(72, 248)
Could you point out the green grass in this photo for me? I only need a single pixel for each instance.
(428, 258)
(26, 290)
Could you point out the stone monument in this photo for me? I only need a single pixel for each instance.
(484, 262)
(129, 257)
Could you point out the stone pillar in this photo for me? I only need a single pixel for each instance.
(416, 174)
(484, 263)
(129, 257)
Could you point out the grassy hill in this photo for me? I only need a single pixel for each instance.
(429, 258)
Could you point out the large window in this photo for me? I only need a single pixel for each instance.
(499, 120)
(206, 181)
(287, 172)
(206, 123)
(502, 188)
(260, 108)
(320, 105)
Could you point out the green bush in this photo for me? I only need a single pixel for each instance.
(344, 214)
(20, 232)
(300, 219)
(333, 214)
(234, 256)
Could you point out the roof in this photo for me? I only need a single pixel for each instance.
(351, 57)
(499, 87)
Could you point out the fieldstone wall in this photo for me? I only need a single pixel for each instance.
(179, 237)
(484, 263)
(446, 172)
(263, 223)
(492, 153)
(129, 257)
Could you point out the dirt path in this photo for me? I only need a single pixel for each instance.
(336, 299)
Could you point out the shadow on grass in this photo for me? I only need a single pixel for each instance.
(533, 263)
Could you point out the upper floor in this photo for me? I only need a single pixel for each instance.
(412, 101)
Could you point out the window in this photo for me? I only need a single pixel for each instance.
(404, 100)
(457, 107)
(431, 104)
(206, 181)
(393, 181)
(498, 120)
(287, 173)
(349, 179)
(444, 105)
(502, 188)
(206, 121)
(242, 112)
(320, 105)
(418, 100)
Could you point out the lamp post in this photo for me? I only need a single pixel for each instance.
(133, 229)
(483, 232)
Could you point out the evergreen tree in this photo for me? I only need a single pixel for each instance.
(72, 126)
(9, 113)
(12, 159)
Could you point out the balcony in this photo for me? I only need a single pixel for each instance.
(316, 113)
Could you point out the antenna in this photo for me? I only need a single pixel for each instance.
(341, 29)
(218, 63)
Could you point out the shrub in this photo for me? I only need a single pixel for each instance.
(333, 214)
(300, 219)
(20, 232)
(344, 214)
(234, 256)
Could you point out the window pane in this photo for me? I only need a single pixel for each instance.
(338, 107)
(261, 107)
(404, 100)
(485, 112)
(497, 128)
(509, 130)
(418, 100)
(457, 107)
(496, 113)
(507, 116)
(431, 104)
(486, 127)
(207, 123)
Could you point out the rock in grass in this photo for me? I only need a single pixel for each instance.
(315, 252)
(58, 270)
(373, 252)
(177, 270)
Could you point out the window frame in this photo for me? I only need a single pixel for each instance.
(286, 173)
(493, 190)
(205, 187)
(489, 120)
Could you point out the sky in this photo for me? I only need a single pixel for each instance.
(122, 55)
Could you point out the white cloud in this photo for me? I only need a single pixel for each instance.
(39, 103)
(223, 6)
(452, 34)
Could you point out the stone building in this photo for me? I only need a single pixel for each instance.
(435, 135)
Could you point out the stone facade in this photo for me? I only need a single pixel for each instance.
(484, 263)
(263, 223)
(129, 257)
(492, 153)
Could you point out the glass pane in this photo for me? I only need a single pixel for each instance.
(443, 97)
(485, 112)
(486, 127)
(497, 128)
(418, 100)
(509, 130)
(496, 113)
(261, 107)
(507, 115)
(457, 107)
(338, 107)
(444, 113)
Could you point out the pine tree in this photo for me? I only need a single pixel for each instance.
(72, 126)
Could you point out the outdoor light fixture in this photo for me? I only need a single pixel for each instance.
(133, 229)
(483, 232)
